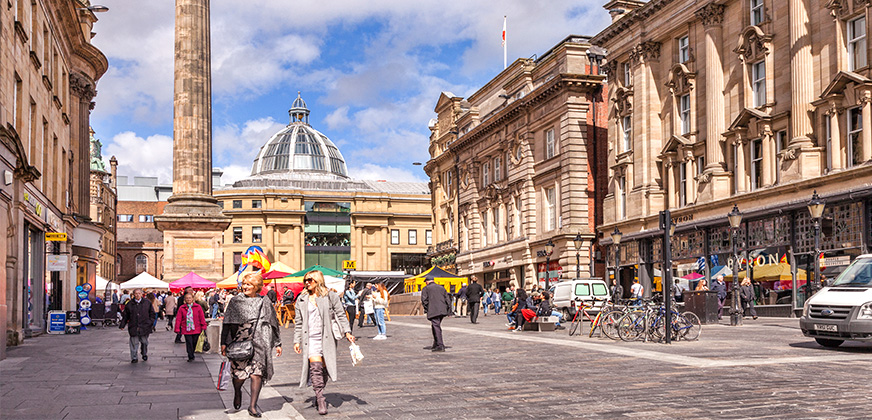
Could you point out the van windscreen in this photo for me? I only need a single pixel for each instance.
(582, 289)
(858, 274)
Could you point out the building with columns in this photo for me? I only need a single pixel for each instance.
(752, 103)
(103, 207)
(48, 75)
(302, 208)
(514, 166)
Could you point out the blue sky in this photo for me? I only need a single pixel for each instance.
(370, 72)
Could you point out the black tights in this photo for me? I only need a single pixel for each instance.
(256, 385)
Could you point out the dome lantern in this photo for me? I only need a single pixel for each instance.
(299, 112)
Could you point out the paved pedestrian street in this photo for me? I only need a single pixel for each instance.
(765, 369)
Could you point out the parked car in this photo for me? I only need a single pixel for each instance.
(579, 290)
(843, 310)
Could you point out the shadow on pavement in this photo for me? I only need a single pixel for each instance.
(847, 347)
(336, 399)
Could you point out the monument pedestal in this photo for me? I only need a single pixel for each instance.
(193, 238)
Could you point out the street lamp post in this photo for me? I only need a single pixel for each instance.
(666, 275)
(735, 217)
(549, 248)
(616, 241)
(577, 242)
(816, 210)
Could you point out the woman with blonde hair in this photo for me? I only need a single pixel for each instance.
(379, 303)
(319, 323)
(250, 317)
(746, 293)
(702, 285)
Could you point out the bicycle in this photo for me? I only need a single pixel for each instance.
(635, 323)
(685, 325)
(607, 320)
(577, 324)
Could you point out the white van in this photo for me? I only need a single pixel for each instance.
(843, 310)
(578, 290)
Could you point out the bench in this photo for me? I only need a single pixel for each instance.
(541, 323)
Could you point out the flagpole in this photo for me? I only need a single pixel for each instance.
(505, 52)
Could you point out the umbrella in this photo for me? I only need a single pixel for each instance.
(191, 280)
(293, 283)
(144, 281)
(277, 271)
(773, 272)
(721, 270)
(692, 276)
(326, 271)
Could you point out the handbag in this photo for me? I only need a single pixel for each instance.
(206, 345)
(224, 375)
(368, 308)
(243, 350)
(201, 340)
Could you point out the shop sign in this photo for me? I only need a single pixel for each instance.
(541, 253)
(682, 219)
(55, 262)
(35, 204)
(487, 264)
(349, 265)
(836, 261)
(57, 321)
(55, 237)
(761, 260)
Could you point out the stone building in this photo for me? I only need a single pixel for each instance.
(302, 208)
(513, 167)
(753, 103)
(103, 203)
(140, 244)
(48, 75)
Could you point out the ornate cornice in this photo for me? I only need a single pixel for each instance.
(645, 51)
(711, 14)
(82, 86)
(23, 170)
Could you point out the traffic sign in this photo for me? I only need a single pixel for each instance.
(55, 237)
(349, 265)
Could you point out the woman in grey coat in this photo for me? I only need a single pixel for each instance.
(315, 311)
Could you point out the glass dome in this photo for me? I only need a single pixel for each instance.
(299, 148)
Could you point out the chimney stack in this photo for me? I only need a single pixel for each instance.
(114, 171)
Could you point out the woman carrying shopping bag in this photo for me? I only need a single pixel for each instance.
(190, 322)
(319, 323)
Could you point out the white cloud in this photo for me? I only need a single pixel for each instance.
(338, 119)
(237, 145)
(388, 173)
(233, 173)
(138, 156)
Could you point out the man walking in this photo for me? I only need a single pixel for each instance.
(721, 288)
(436, 305)
(474, 293)
(139, 317)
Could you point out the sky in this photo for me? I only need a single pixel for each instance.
(370, 72)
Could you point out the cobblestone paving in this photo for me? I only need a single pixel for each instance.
(765, 369)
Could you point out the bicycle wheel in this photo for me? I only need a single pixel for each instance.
(597, 322)
(655, 327)
(631, 326)
(575, 327)
(690, 327)
(609, 324)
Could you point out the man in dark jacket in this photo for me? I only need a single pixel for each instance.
(721, 288)
(437, 305)
(139, 317)
(271, 294)
(474, 293)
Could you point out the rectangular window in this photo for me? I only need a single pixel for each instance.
(627, 74)
(413, 237)
(682, 184)
(484, 226)
(146, 218)
(221, 204)
(448, 184)
(395, 236)
(683, 49)
(628, 133)
(700, 165)
(756, 12)
(237, 235)
(622, 197)
(237, 204)
(125, 217)
(256, 204)
(551, 209)
(237, 261)
(781, 141)
(485, 174)
(756, 164)
(829, 137)
(857, 43)
(737, 177)
(550, 146)
(758, 83)
(428, 237)
(684, 113)
(17, 104)
(855, 132)
(498, 167)
(257, 234)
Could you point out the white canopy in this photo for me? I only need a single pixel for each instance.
(102, 284)
(144, 281)
(335, 283)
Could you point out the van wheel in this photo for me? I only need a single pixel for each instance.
(566, 315)
(826, 342)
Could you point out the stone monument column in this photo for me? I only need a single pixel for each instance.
(192, 222)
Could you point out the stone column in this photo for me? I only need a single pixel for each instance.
(741, 173)
(801, 77)
(837, 151)
(688, 179)
(768, 158)
(866, 153)
(670, 182)
(712, 17)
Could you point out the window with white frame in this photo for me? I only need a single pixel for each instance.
(237, 235)
(395, 236)
(550, 209)
(125, 217)
(684, 113)
(484, 226)
(550, 146)
(485, 174)
(683, 49)
(682, 184)
(413, 237)
(758, 83)
(855, 133)
(498, 168)
(621, 182)
(146, 218)
(627, 126)
(857, 43)
(756, 12)
(756, 164)
(257, 234)
(628, 75)
(428, 237)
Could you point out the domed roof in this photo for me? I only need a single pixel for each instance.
(299, 149)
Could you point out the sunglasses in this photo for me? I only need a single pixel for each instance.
(307, 281)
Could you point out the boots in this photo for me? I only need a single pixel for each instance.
(318, 375)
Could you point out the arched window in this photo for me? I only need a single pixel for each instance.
(141, 263)
(118, 265)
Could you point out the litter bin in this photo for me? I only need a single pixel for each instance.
(704, 304)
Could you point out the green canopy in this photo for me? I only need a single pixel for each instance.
(326, 271)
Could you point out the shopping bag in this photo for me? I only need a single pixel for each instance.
(224, 375)
(356, 355)
(200, 341)
(368, 308)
